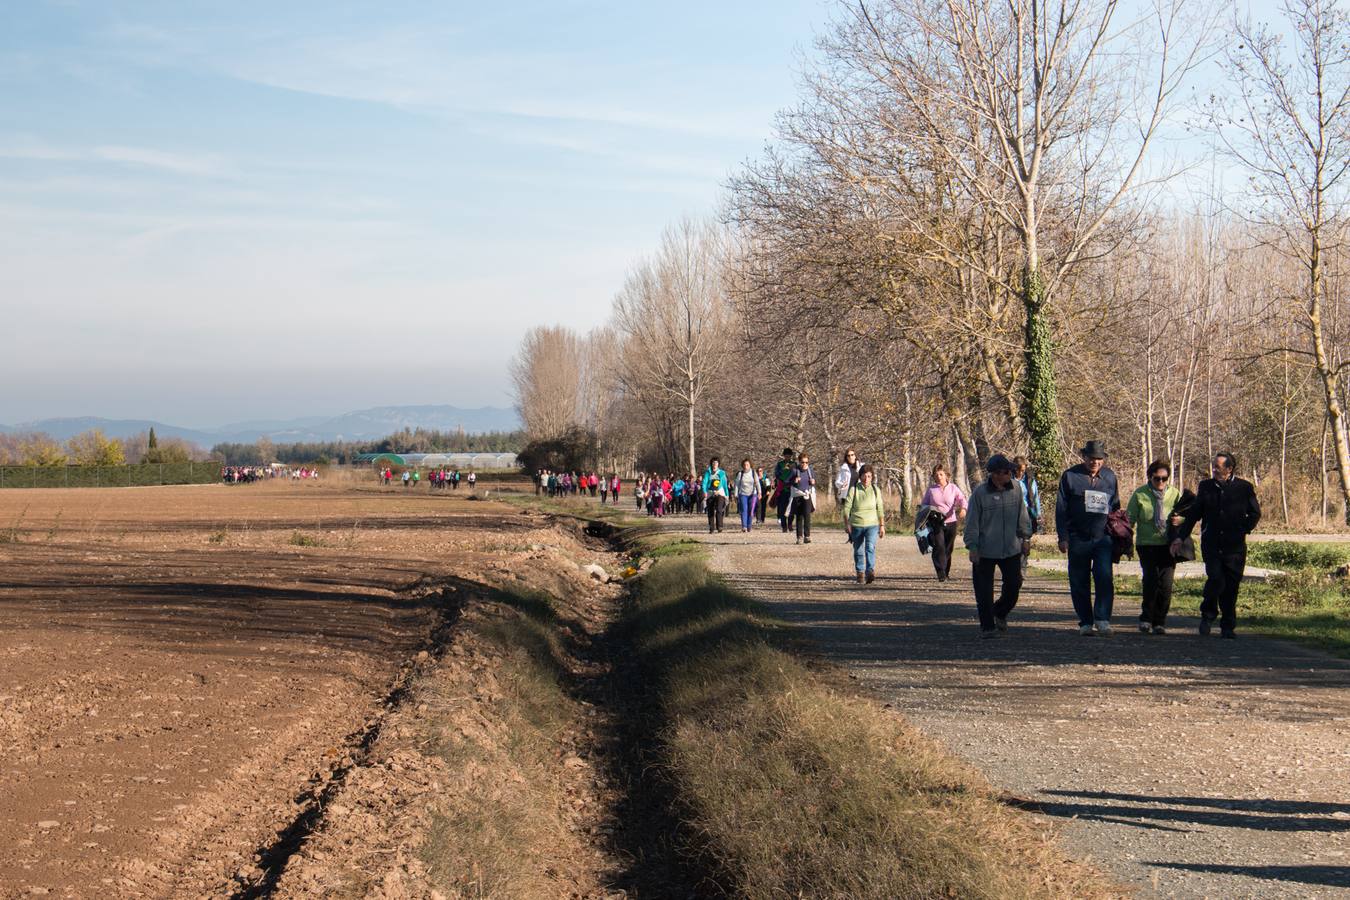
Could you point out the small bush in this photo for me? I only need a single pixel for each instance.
(300, 539)
(1288, 555)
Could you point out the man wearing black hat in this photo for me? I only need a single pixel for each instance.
(1087, 495)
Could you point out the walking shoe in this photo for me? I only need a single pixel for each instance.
(1158, 629)
(799, 540)
(985, 635)
(1103, 627)
(1085, 630)
(1206, 624)
(806, 540)
(1143, 626)
(1001, 623)
(1228, 633)
(871, 576)
(860, 578)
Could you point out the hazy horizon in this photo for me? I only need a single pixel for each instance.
(261, 212)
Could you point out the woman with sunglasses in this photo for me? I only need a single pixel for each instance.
(1149, 509)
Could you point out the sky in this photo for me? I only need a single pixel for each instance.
(212, 212)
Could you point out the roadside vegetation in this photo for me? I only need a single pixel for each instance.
(791, 787)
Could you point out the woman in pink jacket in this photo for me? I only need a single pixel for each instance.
(944, 496)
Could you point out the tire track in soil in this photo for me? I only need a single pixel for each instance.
(447, 599)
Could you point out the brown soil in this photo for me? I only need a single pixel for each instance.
(184, 670)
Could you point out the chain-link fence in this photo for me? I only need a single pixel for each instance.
(109, 476)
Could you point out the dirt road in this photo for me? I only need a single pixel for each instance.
(1187, 767)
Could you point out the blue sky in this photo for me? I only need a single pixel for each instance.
(212, 212)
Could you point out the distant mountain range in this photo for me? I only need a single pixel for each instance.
(362, 425)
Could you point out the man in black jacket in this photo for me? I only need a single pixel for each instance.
(1227, 511)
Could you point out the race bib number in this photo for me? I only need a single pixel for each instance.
(1097, 502)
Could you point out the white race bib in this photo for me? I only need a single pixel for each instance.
(1097, 502)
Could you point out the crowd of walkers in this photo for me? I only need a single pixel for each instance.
(438, 479)
(1094, 530)
(565, 484)
(250, 474)
(997, 522)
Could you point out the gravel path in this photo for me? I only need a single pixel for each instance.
(1187, 767)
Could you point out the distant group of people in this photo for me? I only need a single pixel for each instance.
(439, 479)
(250, 474)
(562, 484)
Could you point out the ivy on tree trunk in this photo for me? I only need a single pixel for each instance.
(1040, 405)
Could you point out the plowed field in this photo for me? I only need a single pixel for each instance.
(183, 669)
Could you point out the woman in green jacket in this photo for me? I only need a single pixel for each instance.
(1149, 509)
(865, 521)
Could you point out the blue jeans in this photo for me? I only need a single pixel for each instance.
(1089, 568)
(746, 502)
(864, 539)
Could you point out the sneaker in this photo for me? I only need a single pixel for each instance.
(860, 578)
(1103, 627)
(799, 540)
(1001, 623)
(1206, 624)
(986, 635)
(1158, 629)
(1085, 630)
(806, 540)
(871, 576)
(1228, 633)
(1143, 627)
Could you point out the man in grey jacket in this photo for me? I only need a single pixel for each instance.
(998, 533)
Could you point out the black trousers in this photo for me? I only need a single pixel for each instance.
(944, 542)
(785, 509)
(717, 511)
(1159, 568)
(982, 574)
(801, 511)
(1223, 577)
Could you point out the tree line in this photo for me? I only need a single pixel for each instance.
(408, 440)
(970, 235)
(94, 448)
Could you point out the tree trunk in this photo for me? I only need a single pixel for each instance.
(1327, 374)
(1041, 408)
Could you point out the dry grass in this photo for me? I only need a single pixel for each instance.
(501, 828)
(795, 790)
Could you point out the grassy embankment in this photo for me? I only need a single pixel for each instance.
(791, 787)
(1309, 603)
(780, 782)
(501, 714)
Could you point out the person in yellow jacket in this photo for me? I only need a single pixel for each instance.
(865, 522)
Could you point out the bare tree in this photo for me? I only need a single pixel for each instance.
(1287, 121)
(1032, 108)
(547, 375)
(674, 321)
